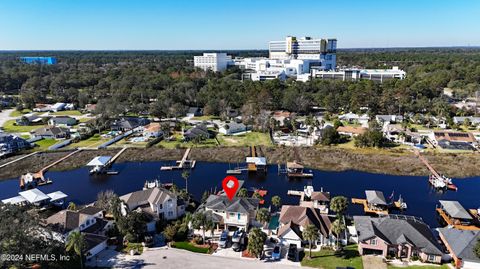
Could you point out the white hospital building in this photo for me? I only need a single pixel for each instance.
(215, 62)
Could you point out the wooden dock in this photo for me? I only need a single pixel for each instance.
(451, 222)
(395, 206)
(182, 164)
(434, 172)
(112, 160)
(40, 174)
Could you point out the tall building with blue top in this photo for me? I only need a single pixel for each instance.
(39, 60)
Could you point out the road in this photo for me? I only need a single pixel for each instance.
(175, 259)
(5, 116)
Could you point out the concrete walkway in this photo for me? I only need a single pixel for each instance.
(5, 116)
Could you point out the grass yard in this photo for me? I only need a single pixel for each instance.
(44, 144)
(206, 118)
(178, 143)
(248, 139)
(327, 259)
(93, 141)
(188, 246)
(67, 113)
(17, 113)
(11, 127)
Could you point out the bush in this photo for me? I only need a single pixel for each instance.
(198, 240)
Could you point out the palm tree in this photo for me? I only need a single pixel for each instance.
(201, 221)
(72, 206)
(339, 204)
(338, 226)
(263, 215)
(276, 201)
(311, 234)
(242, 192)
(76, 242)
(186, 175)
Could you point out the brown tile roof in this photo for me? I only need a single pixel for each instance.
(321, 196)
(304, 216)
(152, 127)
(351, 129)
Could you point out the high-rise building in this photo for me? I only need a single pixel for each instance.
(215, 62)
(306, 48)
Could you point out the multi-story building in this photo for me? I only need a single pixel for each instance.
(215, 62)
(306, 48)
(354, 74)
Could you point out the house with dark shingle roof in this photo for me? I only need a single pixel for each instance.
(294, 219)
(66, 221)
(158, 203)
(398, 236)
(51, 132)
(239, 212)
(461, 246)
(62, 121)
(11, 143)
(128, 123)
(198, 132)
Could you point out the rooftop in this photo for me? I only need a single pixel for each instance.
(455, 209)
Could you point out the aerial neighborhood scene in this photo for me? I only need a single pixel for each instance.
(239, 134)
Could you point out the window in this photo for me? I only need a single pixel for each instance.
(161, 206)
(373, 242)
(431, 258)
(170, 213)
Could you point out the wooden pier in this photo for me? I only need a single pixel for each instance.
(367, 209)
(452, 223)
(184, 163)
(434, 174)
(112, 160)
(294, 170)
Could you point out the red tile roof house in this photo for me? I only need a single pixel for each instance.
(397, 236)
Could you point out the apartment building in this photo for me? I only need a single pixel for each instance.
(215, 62)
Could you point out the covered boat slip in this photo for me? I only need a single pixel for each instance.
(377, 204)
(36, 197)
(455, 215)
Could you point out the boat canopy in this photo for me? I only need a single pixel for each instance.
(14, 200)
(257, 160)
(55, 196)
(294, 165)
(34, 196)
(375, 197)
(455, 210)
(99, 161)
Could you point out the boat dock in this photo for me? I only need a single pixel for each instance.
(435, 179)
(375, 203)
(39, 177)
(452, 223)
(256, 163)
(101, 163)
(184, 163)
(294, 170)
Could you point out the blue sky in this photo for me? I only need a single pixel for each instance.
(234, 24)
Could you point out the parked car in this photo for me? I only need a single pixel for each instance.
(237, 236)
(277, 250)
(292, 252)
(237, 247)
(223, 240)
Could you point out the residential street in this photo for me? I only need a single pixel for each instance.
(5, 116)
(176, 258)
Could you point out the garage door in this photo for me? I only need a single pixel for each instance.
(368, 251)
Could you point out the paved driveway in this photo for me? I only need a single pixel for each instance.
(180, 259)
(373, 262)
(5, 116)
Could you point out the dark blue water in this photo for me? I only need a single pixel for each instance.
(421, 199)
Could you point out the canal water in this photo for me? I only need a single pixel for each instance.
(416, 192)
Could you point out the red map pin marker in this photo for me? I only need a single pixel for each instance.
(230, 186)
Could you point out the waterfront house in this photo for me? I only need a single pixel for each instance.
(62, 121)
(157, 202)
(315, 199)
(280, 116)
(11, 143)
(233, 128)
(51, 132)
(194, 112)
(200, 132)
(397, 236)
(351, 130)
(128, 123)
(152, 130)
(454, 214)
(240, 212)
(460, 244)
(474, 121)
(58, 107)
(294, 219)
(452, 140)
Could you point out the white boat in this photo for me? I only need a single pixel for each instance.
(438, 183)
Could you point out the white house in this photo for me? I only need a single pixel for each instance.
(157, 202)
(239, 212)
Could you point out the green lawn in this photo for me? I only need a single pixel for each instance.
(17, 113)
(445, 266)
(327, 259)
(178, 143)
(93, 141)
(188, 246)
(248, 139)
(44, 144)
(67, 113)
(11, 127)
(206, 118)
